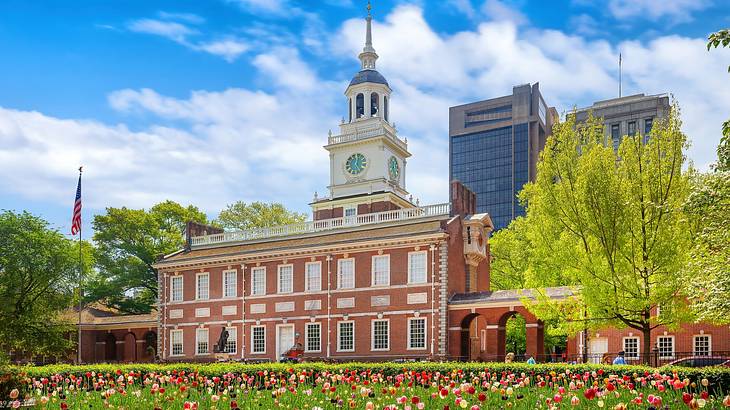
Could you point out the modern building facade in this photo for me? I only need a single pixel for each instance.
(494, 146)
(631, 115)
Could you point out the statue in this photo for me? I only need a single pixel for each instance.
(220, 346)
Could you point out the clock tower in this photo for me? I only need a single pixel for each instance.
(367, 158)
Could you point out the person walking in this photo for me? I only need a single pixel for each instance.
(620, 359)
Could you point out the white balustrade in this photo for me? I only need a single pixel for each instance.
(322, 225)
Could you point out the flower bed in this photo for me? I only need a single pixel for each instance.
(375, 386)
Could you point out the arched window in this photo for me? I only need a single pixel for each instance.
(385, 107)
(374, 104)
(349, 109)
(359, 105)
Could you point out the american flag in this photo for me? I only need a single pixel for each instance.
(76, 219)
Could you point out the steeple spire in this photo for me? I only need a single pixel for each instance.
(368, 55)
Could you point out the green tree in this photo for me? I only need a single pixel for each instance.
(241, 216)
(715, 40)
(708, 275)
(128, 242)
(613, 224)
(509, 250)
(39, 270)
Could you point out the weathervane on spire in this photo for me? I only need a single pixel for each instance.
(368, 55)
(369, 7)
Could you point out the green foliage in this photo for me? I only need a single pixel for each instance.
(128, 242)
(242, 216)
(708, 277)
(509, 250)
(612, 224)
(717, 376)
(39, 270)
(516, 335)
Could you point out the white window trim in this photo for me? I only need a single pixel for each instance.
(278, 278)
(223, 283)
(339, 335)
(252, 344)
(339, 275)
(372, 271)
(182, 288)
(425, 333)
(306, 277)
(674, 347)
(197, 340)
(425, 275)
(709, 343)
(235, 338)
(638, 346)
(278, 334)
(182, 342)
(261, 270)
(372, 335)
(197, 286)
(345, 209)
(306, 337)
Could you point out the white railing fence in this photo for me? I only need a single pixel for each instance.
(323, 225)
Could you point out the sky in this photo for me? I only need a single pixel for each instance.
(207, 102)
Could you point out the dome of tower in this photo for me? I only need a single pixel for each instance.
(368, 76)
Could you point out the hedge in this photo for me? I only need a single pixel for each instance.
(719, 377)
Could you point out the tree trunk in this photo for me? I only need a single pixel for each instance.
(646, 343)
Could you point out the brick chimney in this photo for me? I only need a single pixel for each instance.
(197, 229)
(463, 200)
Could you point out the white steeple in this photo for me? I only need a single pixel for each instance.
(368, 55)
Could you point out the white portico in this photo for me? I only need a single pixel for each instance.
(367, 158)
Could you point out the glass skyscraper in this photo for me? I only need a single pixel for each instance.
(494, 145)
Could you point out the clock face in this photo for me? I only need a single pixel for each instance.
(393, 168)
(356, 163)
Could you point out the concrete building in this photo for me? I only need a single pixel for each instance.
(494, 146)
(631, 115)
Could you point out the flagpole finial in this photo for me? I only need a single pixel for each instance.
(81, 169)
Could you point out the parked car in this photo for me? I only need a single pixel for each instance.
(701, 361)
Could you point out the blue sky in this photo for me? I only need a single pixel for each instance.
(208, 102)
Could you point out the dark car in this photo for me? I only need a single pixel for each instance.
(701, 361)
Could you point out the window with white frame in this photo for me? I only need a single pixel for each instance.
(417, 267)
(176, 289)
(417, 333)
(286, 279)
(350, 211)
(381, 334)
(313, 276)
(631, 347)
(231, 343)
(665, 344)
(258, 281)
(346, 273)
(313, 337)
(203, 282)
(176, 342)
(702, 345)
(230, 281)
(346, 336)
(201, 341)
(258, 339)
(381, 270)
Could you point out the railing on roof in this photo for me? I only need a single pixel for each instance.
(323, 225)
(368, 130)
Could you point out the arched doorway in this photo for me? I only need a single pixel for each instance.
(130, 347)
(515, 336)
(150, 345)
(473, 337)
(110, 348)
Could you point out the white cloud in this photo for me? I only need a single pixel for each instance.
(676, 10)
(169, 29)
(266, 6)
(215, 147)
(499, 11)
(186, 17)
(228, 48)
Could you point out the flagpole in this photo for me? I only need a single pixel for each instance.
(81, 274)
